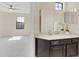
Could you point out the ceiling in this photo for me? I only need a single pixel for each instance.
(24, 7)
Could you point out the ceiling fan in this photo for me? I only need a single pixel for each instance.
(9, 6)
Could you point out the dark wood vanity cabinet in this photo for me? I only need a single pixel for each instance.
(56, 48)
(42, 48)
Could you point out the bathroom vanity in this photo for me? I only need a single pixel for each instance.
(63, 45)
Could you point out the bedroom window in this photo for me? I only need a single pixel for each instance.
(59, 6)
(20, 22)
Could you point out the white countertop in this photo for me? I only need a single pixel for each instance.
(56, 37)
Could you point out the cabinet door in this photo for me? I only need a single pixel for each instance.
(78, 47)
(72, 50)
(57, 51)
(42, 48)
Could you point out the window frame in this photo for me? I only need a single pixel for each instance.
(19, 23)
(57, 7)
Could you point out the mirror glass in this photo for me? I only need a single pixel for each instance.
(70, 17)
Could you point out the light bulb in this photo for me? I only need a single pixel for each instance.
(11, 10)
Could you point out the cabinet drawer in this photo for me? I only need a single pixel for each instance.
(63, 41)
(56, 42)
(66, 41)
(74, 40)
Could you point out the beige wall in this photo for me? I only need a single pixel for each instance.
(8, 24)
(35, 16)
(48, 14)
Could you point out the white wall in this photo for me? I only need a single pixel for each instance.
(47, 16)
(35, 16)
